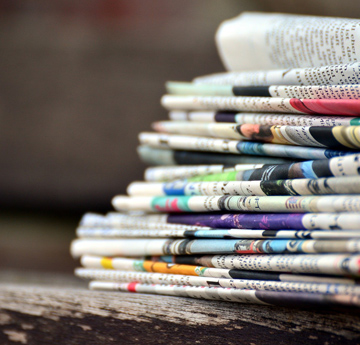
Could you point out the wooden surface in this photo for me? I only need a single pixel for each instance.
(46, 309)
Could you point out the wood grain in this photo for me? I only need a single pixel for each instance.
(60, 310)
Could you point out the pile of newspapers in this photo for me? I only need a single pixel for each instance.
(253, 194)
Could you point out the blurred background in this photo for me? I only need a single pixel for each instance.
(78, 80)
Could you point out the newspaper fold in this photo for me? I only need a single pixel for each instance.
(323, 273)
(143, 247)
(244, 284)
(320, 186)
(344, 107)
(266, 221)
(233, 295)
(263, 118)
(199, 143)
(342, 137)
(300, 204)
(154, 156)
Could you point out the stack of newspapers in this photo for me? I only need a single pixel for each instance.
(253, 194)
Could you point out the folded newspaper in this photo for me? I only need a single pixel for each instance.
(253, 190)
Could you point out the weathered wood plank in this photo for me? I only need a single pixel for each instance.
(67, 313)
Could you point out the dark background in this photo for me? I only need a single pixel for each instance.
(78, 81)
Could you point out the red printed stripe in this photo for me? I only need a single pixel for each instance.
(346, 107)
(132, 286)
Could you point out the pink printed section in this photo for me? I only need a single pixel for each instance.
(345, 107)
(170, 206)
(132, 287)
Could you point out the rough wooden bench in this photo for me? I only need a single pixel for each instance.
(58, 309)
